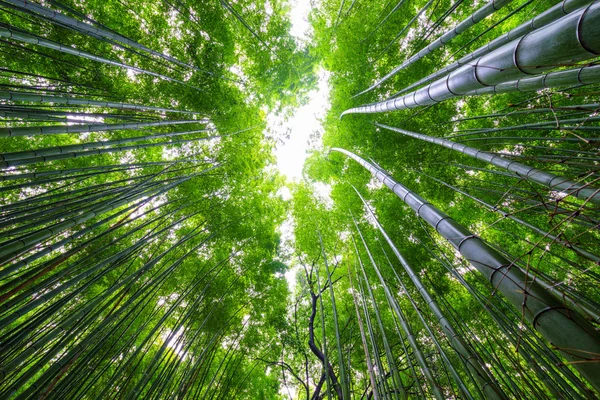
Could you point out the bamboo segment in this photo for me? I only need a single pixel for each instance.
(445, 38)
(547, 17)
(573, 336)
(574, 37)
(488, 384)
(42, 98)
(548, 179)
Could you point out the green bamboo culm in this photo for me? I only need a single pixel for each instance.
(445, 38)
(482, 374)
(576, 37)
(580, 190)
(573, 336)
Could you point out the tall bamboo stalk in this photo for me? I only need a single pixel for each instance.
(547, 17)
(481, 373)
(576, 38)
(573, 336)
(580, 190)
(447, 37)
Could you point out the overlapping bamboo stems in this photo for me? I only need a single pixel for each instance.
(32, 177)
(554, 124)
(447, 364)
(51, 264)
(77, 101)
(18, 35)
(79, 274)
(342, 371)
(120, 193)
(237, 15)
(43, 201)
(515, 333)
(49, 111)
(8, 250)
(474, 363)
(79, 154)
(535, 353)
(396, 380)
(49, 151)
(532, 54)
(58, 129)
(535, 201)
(64, 82)
(363, 338)
(581, 108)
(572, 335)
(123, 347)
(404, 29)
(482, 13)
(430, 29)
(25, 282)
(378, 369)
(545, 18)
(421, 359)
(200, 277)
(511, 216)
(327, 368)
(580, 190)
(94, 31)
(68, 201)
(384, 20)
(68, 322)
(406, 353)
(571, 78)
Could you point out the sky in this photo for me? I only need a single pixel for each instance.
(292, 152)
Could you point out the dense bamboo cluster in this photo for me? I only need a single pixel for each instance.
(142, 252)
(528, 173)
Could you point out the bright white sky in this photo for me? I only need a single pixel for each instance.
(305, 122)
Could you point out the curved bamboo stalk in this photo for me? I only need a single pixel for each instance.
(447, 37)
(547, 17)
(548, 179)
(577, 38)
(482, 374)
(572, 335)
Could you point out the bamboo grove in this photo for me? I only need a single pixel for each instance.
(445, 233)
(133, 266)
(461, 155)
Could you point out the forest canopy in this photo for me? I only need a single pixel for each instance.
(442, 242)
